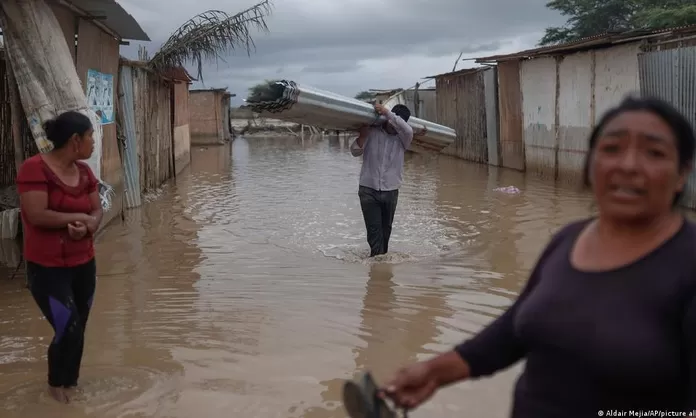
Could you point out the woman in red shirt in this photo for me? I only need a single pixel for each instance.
(61, 211)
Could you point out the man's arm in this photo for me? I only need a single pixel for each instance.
(357, 147)
(402, 128)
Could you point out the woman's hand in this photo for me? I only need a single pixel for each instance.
(412, 385)
(92, 225)
(415, 384)
(88, 221)
(77, 230)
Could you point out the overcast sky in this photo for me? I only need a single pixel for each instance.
(346, 46)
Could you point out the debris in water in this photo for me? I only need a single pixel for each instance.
(508, 190)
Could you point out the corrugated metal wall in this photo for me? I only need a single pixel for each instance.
(153, 128)
(616, 75)
(539, 84)
(130, 152)
(490, 82)
(446, 102)
(575, 84)
(671, 75)
(461, 104)
(562, 98)
(510, 107)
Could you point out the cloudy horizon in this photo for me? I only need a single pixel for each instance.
(346, 46)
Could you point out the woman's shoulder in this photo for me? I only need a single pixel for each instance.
(565, 234)
(570, 230)
(32, 167)
(685, 239)
(33, 162)
(84, 168)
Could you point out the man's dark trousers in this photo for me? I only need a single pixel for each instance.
(378, 208)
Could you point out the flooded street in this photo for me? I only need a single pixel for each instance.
(244, 289)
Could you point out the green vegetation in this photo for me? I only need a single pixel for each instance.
(364, 95)
(593, 17)
(267, 91)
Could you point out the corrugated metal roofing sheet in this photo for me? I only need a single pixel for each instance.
(114, 16)
(130, 157)
(459, 72)
(589, 42)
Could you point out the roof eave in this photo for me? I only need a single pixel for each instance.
(458, 72)
(593, 42)
(134, 32)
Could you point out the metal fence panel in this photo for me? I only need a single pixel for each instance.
(490, 81)
(671, 75)
(130, 154)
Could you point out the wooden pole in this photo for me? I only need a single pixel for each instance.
(416, 101)
(16, 115)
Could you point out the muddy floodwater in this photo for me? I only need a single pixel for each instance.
(244, 290)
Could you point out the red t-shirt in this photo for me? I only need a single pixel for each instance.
(53, 247)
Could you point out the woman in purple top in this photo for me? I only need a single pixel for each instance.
(607, 320)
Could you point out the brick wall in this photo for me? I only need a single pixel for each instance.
(204, 110)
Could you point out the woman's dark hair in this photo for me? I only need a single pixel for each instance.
(62, 128)
(680, 126)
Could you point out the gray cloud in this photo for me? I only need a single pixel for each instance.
(351, 45)
(331, 67)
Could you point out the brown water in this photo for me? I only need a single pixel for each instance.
(244, 290)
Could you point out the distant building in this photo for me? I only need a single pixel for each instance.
(210, 116)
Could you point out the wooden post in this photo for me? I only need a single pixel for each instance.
(16, 117)
(416, 101)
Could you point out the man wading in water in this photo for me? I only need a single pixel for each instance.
(382, 148)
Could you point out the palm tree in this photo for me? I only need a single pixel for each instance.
(210, 34)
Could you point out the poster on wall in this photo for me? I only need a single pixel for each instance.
(100, 95)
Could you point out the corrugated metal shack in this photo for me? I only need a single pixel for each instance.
(551, 97)
(210, 116)
(382, 95)
(466, 102)
(422, 102)
(668, 70)
(94, 30)
(156, 120)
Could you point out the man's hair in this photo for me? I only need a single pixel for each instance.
(401, 111)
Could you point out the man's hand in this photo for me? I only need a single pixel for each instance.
(364, 131)
(77, 230)
(379, 108)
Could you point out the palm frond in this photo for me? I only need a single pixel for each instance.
(209, 35)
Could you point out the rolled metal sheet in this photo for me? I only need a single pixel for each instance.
(286, 100)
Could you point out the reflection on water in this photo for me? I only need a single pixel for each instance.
(244, 288)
